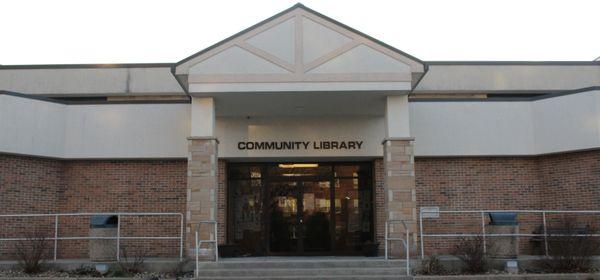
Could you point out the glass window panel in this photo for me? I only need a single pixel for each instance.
(360, 170)
(245, 172)
(292, 171)
(245, 213)
(283, 208)
(316, 216)
(353, 214)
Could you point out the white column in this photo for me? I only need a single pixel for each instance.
(397, 117)
(202, 117)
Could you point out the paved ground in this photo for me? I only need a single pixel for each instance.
(581, 276)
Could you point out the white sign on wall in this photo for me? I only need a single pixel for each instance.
(430, 212)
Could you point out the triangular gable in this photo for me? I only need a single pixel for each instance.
(302, 47)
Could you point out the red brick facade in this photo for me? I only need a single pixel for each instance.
(222, 201)
(35, 185)
(29, 185)
(477, 183)
(559, 182)
(380, 203)
(570, 181)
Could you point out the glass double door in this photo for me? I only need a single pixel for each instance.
(299, 209)
(299, 215)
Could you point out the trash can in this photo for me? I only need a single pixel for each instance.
(103, 249)
(504, 246)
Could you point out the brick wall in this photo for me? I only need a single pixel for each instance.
(563, 181)
(475, 184)
(34, 185)
(126, 186)
(222, 200)
(380, 203)
(570, 181)
(28, 184)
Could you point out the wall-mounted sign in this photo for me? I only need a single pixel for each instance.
(430, 212)
(300, 145)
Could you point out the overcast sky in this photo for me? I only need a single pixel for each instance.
(121, 31)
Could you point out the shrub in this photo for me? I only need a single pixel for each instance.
(470, 252)
(179, 271)
(571, 252)
(432, 266)
(32, 252)
(131, 261)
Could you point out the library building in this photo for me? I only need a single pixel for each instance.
(298, 136)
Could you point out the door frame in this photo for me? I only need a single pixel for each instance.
(299, 194)
(265, 198)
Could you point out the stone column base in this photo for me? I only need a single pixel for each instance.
(201, 190)
(400, 187)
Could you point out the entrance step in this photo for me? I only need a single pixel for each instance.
(303, 268)
(355, 277)
(238, 272)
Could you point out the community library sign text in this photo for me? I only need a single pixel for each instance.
(300, 145)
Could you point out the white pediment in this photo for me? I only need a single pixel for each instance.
(299, 50)
(277, 40)
(235, 60)
(318, 40)
(362, 59)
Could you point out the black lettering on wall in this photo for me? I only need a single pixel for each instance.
(299, 145)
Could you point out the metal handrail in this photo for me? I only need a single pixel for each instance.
(56, 238)
(199, 243)
(483, 233)
(405, 242)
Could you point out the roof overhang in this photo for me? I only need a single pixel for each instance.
(299, 50)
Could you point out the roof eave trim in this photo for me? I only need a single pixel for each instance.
(298, 6)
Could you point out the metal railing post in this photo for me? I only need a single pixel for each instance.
(421, 233)
(118, 237)
(407, 252)
(483, 231)
(216, 243)
(545, 233)
(386, 240)
(181, 238)
(196, 273)
(405, 241)
(55, 236)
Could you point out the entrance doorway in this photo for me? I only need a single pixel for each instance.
(296, 224)
(300, 209)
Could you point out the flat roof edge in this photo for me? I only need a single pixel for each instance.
(536, 63)
(86, 66)
(548, 95)
(66, 102)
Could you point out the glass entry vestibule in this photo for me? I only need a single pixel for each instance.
(300, 208)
